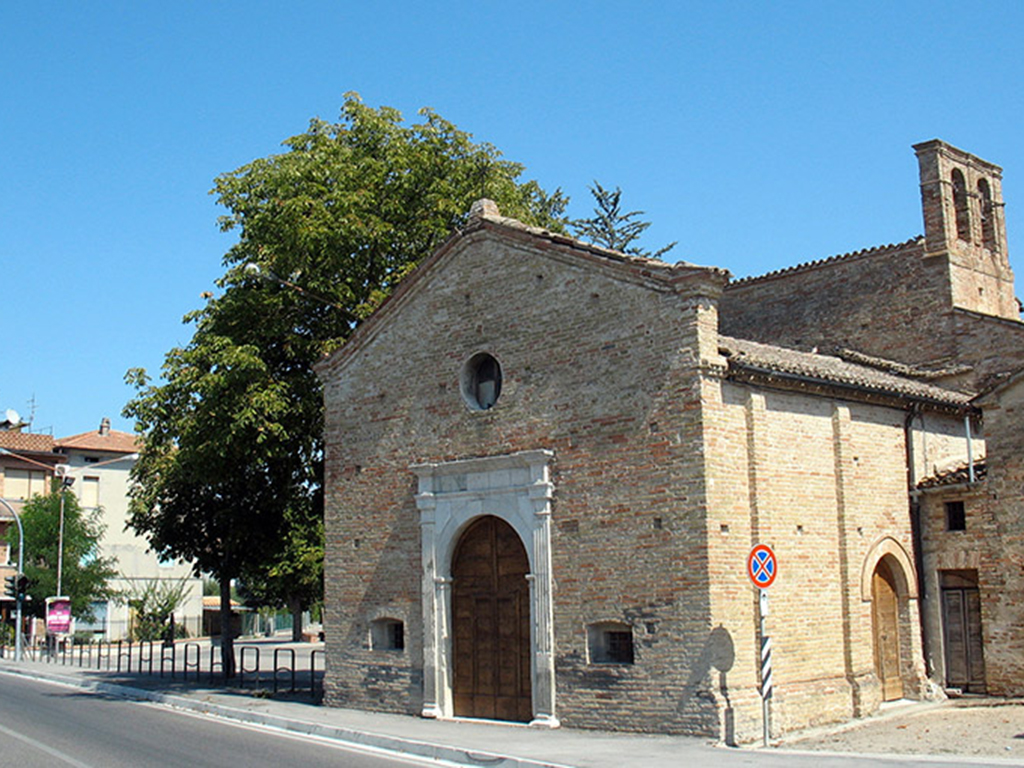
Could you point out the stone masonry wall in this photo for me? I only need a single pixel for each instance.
(991, 545)
(599, 368)
(992, 345)
(944, 550)
(1002, 515)
(891, 302)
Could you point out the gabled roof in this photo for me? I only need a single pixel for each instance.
(765, 361)
(109, 441)
(26, 442)
(484, 216)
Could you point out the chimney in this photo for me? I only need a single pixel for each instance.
(105, 426)
(483, 208)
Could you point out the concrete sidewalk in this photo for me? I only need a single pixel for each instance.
(469, 743)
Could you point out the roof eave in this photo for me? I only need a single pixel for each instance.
(880, 395)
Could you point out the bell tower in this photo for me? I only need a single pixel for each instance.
(962, 199)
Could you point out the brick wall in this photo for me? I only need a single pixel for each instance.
(823, 481)
(600, 366)
(1003, 516)
(890, 301)
(991, 544)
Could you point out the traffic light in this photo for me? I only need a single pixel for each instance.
(22, 584)
(11, 586)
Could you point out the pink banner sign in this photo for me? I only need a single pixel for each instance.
(58, 615)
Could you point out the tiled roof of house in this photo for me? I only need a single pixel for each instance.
(28, 442)
(212, 602)
(955, 476)
(827, 369)
(110, 441)
(912, 242)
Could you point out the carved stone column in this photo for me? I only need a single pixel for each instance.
(431, 630)
(541, 599)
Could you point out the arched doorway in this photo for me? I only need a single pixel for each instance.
(491, 623)
(885, 615)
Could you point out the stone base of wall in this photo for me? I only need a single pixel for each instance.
(375, 688)
(818, 702)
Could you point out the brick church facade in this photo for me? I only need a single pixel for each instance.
(547, 463)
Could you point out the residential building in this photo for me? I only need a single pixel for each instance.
(27, 464)
(100, 462)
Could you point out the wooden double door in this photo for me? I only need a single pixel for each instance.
(961, 631)
(491, 623)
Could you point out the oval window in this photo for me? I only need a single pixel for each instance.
(481, 381)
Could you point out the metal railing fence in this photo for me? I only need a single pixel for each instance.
(262, 667)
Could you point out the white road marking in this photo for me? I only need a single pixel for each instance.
(45, 748)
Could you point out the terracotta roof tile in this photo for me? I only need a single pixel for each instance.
(26, 441)
(766, 358)
(113, 441)
(213, 602)
(901, 369)
(955, 476)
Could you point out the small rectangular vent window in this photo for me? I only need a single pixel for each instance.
(387, 635)
(610, 643)
(956, 516)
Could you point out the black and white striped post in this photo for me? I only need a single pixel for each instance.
(766, 667)
(762, 568)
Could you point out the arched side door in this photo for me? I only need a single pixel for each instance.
(491, 623)
(885, 614)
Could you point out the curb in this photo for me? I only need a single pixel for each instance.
(375, 741)
(909, 759)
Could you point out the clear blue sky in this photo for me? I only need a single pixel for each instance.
(756, 134)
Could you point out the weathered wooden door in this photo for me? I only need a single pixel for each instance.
(886, 619)
(961, 629)
(491, 623)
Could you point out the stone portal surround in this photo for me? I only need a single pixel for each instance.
(516, 488)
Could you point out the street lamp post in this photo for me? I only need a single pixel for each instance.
(21, 570)
(254, 269)
(66, 482)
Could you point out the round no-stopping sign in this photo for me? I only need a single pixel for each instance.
(762, 567)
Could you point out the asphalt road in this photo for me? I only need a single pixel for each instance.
(49, 725)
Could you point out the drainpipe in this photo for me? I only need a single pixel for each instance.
(970, 447)
(915, 533)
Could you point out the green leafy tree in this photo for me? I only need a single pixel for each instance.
(213, 452)
(154, 603)
(610, 228)
(85, 575)
(230, 471)
(293, 577)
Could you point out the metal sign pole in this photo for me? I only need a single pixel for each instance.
(762, 568)
(766, 667)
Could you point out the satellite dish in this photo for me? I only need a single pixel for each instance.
(12, 416)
